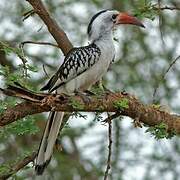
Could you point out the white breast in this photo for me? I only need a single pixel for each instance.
(85, 80)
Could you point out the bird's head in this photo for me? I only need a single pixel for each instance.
(104, 21)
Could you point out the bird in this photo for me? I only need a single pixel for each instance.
(82, 67)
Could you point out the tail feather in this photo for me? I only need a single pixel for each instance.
(48, 141)
(23, 93)
(52, 126)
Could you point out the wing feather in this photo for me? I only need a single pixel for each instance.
(76, 62)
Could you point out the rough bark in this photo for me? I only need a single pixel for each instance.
(106, 102)
(146, 114)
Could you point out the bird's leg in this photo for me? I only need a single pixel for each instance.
(107, 91)
(97, 88)
(102, 87)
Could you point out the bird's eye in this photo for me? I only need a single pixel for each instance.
(114, 16)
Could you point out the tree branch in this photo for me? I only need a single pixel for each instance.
(107, 102)
(166, 8)
(108, 166)
(38, 103)
(39, 43)
(22, 163)
(163, 76)
(58, 34)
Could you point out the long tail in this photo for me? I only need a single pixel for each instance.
(51, 130)
(48, 140)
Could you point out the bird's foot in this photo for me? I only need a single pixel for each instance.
(106, 90)
(84, 97)
(137, 122)
(48, 100)
(124, 92)
(90, 93)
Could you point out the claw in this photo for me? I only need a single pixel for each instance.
(124, 92)
(137, 122)
(88, 92)
(85, 98)
(48, 99)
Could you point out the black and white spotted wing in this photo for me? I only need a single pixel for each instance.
(77, 61)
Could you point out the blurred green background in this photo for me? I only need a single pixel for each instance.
(143, 56)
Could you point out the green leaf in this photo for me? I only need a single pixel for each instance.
(9, 77)
(8, 49)
(20, 127)
(32, 68)
(7, 102)
(98, 117)
(121, 104)
(21, 74)
(97, 90)
(76, 104)
(146, 11)
(160, 131)
(4, 169)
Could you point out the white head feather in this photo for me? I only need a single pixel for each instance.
(101, 25)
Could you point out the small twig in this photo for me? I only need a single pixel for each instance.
(54, 29)
(14, 50)
(40, 28)
(28, 14)
(108, 167)
(24, 61)
(19, 166)
(157, 7)
(44, 69)
(40, 43)
(166, 8)
(109, 118)
(164, 75)
(173, 62)
(160, 21)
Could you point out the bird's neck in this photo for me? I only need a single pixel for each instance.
(103, 39)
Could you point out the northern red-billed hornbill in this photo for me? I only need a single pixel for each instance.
(82, 67)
